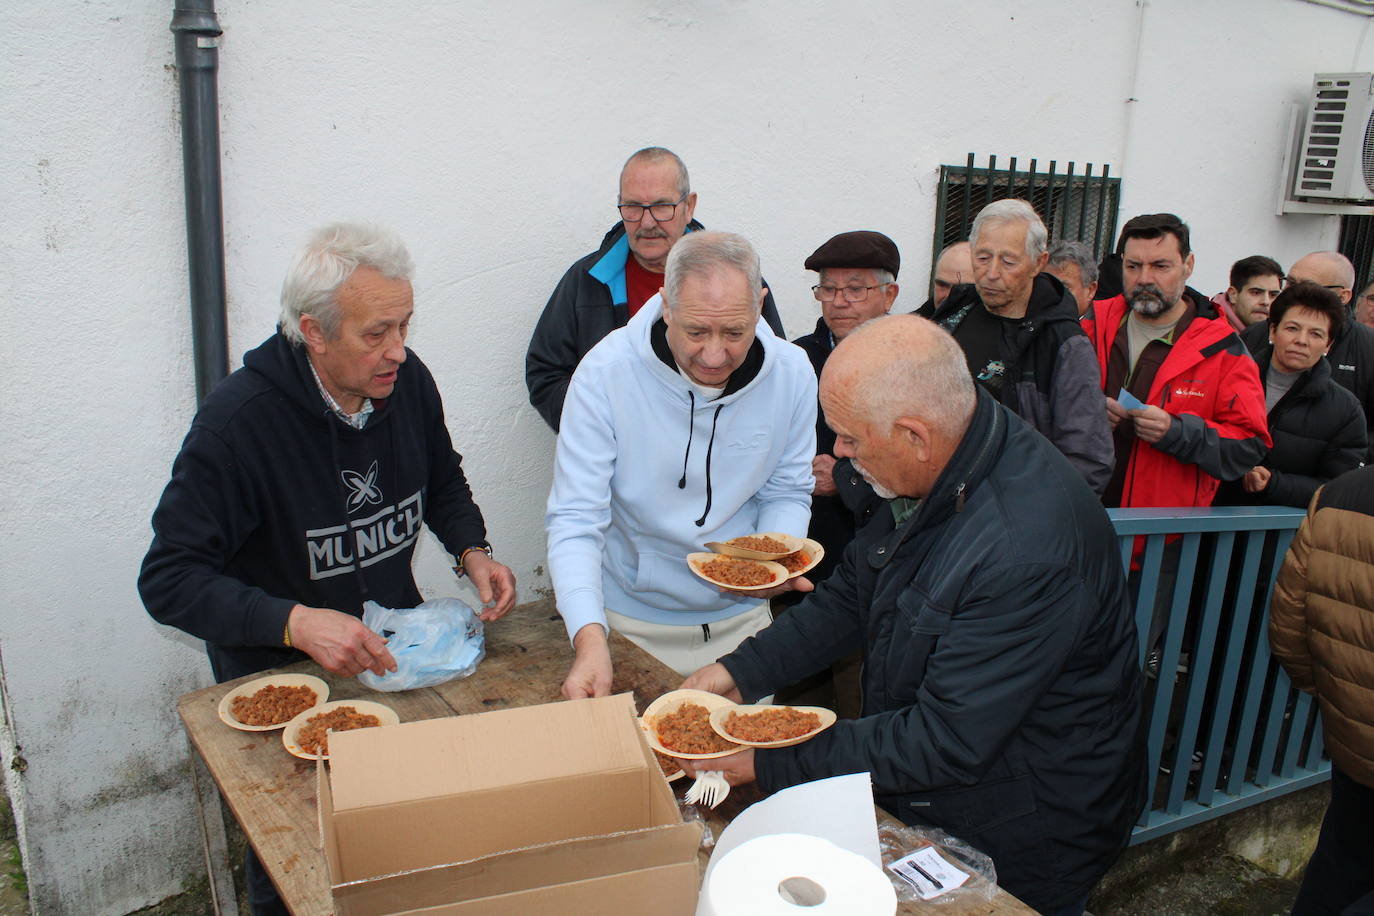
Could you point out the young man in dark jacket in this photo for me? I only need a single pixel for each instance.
(1001, 674)
(603, 290)
(1019, 330)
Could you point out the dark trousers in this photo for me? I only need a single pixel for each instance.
(1340, 876)
(1076, 908)
(262, 893)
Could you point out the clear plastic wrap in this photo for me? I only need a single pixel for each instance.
(437, 641)
(960, 873)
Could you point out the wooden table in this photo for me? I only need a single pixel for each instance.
(272, 794)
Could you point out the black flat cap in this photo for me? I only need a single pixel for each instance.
(861, 248)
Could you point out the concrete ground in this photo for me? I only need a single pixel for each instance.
(14, 900)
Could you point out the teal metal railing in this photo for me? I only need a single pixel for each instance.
(1226, 728)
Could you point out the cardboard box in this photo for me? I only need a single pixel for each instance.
(546, 809)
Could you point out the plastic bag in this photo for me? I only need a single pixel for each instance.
(436, 642)
(960, 873)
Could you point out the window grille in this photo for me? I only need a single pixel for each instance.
(1074, 203)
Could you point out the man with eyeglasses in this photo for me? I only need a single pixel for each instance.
(603, 290)
(857, 283)
(1019, 330)
(1352, 351)
(1364, 306)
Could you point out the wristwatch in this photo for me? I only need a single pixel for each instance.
(460, 570)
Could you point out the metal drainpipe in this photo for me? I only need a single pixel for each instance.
(197, 32)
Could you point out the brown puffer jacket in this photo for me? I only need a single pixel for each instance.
(1321, 625)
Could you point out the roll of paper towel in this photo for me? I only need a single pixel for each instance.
(791, 874)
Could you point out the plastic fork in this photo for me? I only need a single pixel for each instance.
(710, 787)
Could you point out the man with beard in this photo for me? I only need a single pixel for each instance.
(603, 291)
(1202, 416)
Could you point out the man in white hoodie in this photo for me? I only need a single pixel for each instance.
(692, 423)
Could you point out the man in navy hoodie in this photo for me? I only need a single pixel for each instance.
(301, 488)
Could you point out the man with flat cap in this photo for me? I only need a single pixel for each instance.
(857, 283)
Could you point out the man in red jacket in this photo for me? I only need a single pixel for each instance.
(1202, 417)
(1194, 407)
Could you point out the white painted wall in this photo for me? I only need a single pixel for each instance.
(490, 136)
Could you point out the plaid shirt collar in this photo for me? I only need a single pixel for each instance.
(356, 420)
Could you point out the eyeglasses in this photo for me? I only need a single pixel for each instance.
(1291, 281)
(851, 293)
(633, 213)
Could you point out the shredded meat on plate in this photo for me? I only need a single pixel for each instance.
(668, 765)
(272, 705)
(688, 731)
(794, 562)
(759, 543)
(729, 571)
(313, 738)
(772, 724)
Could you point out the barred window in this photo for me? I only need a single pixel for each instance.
(1074, 203)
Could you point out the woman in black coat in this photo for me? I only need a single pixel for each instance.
(1318, 427)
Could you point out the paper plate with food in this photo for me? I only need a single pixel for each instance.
(270, 702)
(672, 770)
(803, 559)
(768, 545)
(679, 725)
(770, 726)
(733, 572)
(307, 735)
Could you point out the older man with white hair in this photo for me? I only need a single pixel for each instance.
(303, 485)
(1001, 682)
(1019, 331)
(693, 423)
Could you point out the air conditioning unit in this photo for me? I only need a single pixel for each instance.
(1335, 156)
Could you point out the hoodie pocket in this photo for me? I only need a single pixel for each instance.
(666, 581)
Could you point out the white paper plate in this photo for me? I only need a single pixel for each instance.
(226, 704)
(289, 737)
(813, 550)
(649, 736)
(718, 717)
(778, 570)
(669, 703)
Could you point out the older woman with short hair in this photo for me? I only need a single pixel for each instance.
(1318, 427)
